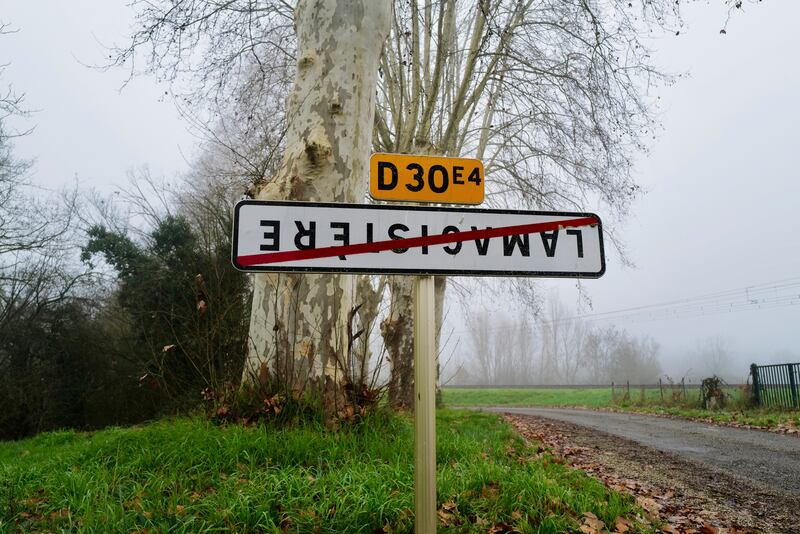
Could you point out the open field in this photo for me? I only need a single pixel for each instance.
(587, 397)
(601, 398)
(188, 475)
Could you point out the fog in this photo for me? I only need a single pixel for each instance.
(717, 221)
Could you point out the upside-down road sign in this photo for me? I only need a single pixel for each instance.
(362, 238)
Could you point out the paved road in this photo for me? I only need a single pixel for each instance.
(768, 458)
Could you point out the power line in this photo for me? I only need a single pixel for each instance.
(767, 295)
(749, 291)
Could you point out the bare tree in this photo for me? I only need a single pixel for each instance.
(483, 350)
(548, 94)
(34, 226)
(503, 351)
(713, 353)
(301, 322)
(551, 95)
(562, 344)
(598, 349)
(635, 360)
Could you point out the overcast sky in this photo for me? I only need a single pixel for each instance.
(722, 177)
(723, 185)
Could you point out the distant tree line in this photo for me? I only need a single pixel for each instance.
(554, 349)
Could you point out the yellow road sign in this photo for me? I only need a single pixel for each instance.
(412, 178)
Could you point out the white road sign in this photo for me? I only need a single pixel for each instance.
(362, 238)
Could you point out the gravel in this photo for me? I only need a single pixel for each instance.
(769, 459)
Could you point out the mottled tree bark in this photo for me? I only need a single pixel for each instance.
(440, 287)
(398, 337)
(298, 328)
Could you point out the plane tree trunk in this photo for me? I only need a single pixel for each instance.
(298, 326)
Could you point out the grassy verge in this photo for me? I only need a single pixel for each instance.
(647, 402)
(764, 418)
(188, 475)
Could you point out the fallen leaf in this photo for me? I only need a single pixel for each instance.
(446, 519)
(501, 528)
(489, 491)
(650, 505)
(64, 512)
(449, 506)
(622, 525)
(592, 522)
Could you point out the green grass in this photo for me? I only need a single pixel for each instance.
(762, 418)
(602, 398)
(589, 397)
(188, 475)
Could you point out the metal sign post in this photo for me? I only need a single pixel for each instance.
(425, 405)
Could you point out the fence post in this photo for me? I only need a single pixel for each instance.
(613, 394)
(792, 384)
(683, 388)
(661, 389)
(756, 384)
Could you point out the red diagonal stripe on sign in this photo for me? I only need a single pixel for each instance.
(411, 242)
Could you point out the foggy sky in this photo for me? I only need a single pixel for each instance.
(722, 178)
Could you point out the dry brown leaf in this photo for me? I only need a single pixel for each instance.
(593, 522)
(489, 491)
(445, 518)
(501, 528)
(622, 525)
(650, 505)
(64, 512)
(449, 506)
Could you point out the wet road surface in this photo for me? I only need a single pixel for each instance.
(764, 457)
